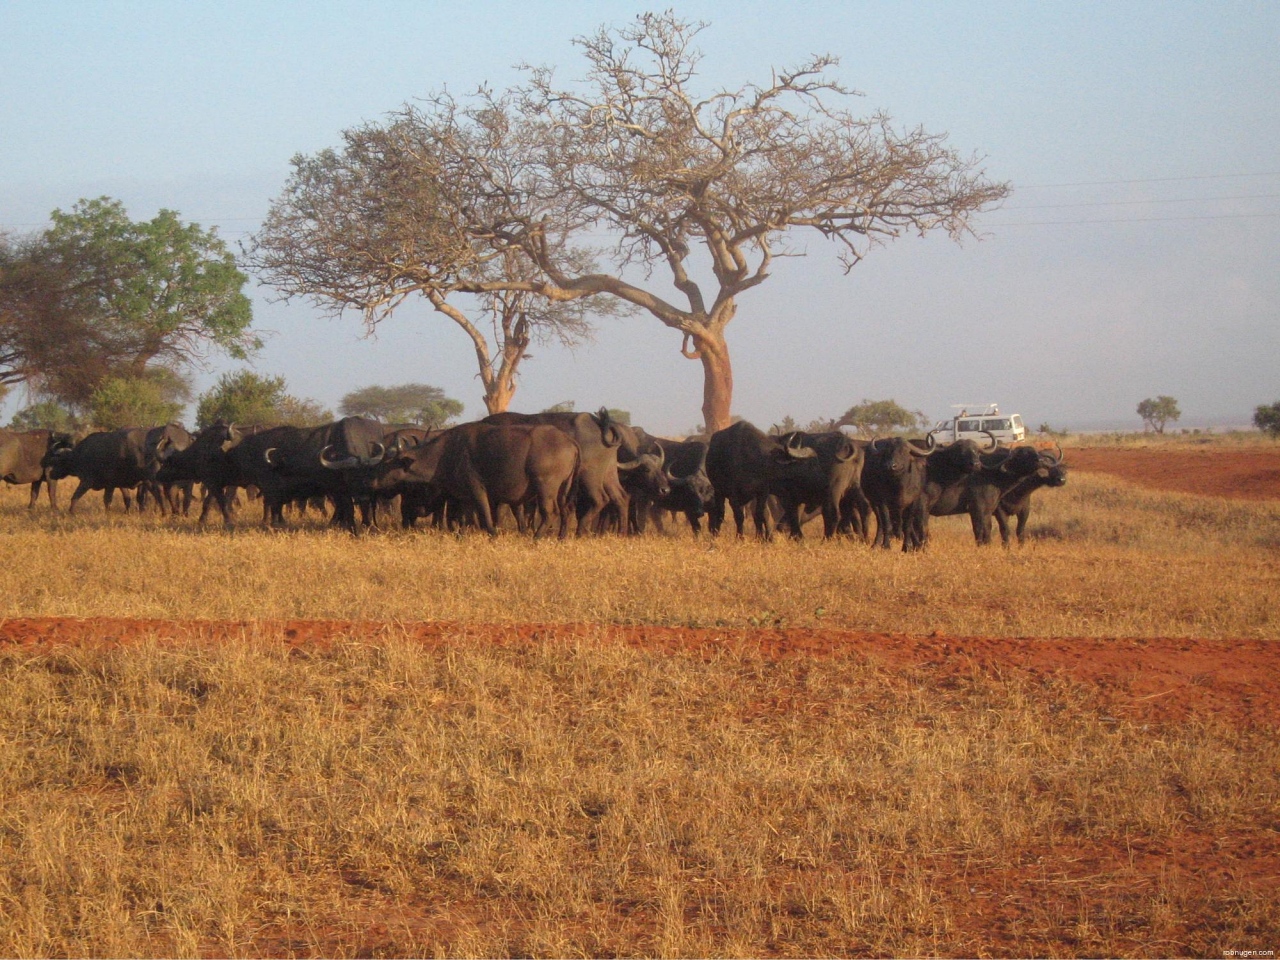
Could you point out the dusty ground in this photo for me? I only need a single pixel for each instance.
(1144, 680)
(1212, 471)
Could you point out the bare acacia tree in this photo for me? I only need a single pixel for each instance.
(413, 208)
(686, 182)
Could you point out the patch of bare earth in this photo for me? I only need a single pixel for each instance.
(1147, 679)
(1250, 474)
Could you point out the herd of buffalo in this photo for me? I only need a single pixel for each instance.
(551, 468)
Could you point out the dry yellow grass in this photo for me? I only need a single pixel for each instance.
(374, 799)
(1105, 559)
(595, 800)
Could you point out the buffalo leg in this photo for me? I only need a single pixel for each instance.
(590, 505)
(485, 513)
(81, 490)
(1024, 514)
(884, 526)
(981, 527)
(715, 517)
(763, 521)
(695, 522)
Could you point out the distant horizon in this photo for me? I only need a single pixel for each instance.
(1101, 425)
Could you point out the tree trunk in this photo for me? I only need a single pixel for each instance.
(717, 381)
(498, 397)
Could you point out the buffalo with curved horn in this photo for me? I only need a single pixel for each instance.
(893, 477)
(978, 493)
(1016, 502)
(689, 490)
(748, 466)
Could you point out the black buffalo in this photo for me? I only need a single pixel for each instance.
(121, 460)
(377, 488)
(481, 466)
(831, 482)
(689, 489)
(602, 442)
(893, 477)
(980, 494)
(947, 472)
(26, 457)
(644, 479)
(300, 463)
(207, 461)
(747, 466)
(1016, 502)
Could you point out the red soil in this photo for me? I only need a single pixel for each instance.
(1156, 679)
(1251, 474)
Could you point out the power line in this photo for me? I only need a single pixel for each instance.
(1106, 183)
(1220, 216)
(1129, 203)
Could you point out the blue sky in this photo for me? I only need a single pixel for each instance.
(1137, 256)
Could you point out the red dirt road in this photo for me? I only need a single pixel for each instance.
(1155, 679)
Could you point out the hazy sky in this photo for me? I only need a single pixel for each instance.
(1139, 254)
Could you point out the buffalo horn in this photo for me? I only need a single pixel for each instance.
(340, 463)
(639, 462)
(796, 448)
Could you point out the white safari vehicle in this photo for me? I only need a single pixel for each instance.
(981, 427)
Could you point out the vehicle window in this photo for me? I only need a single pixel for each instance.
(996, 425)
(968, 426)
